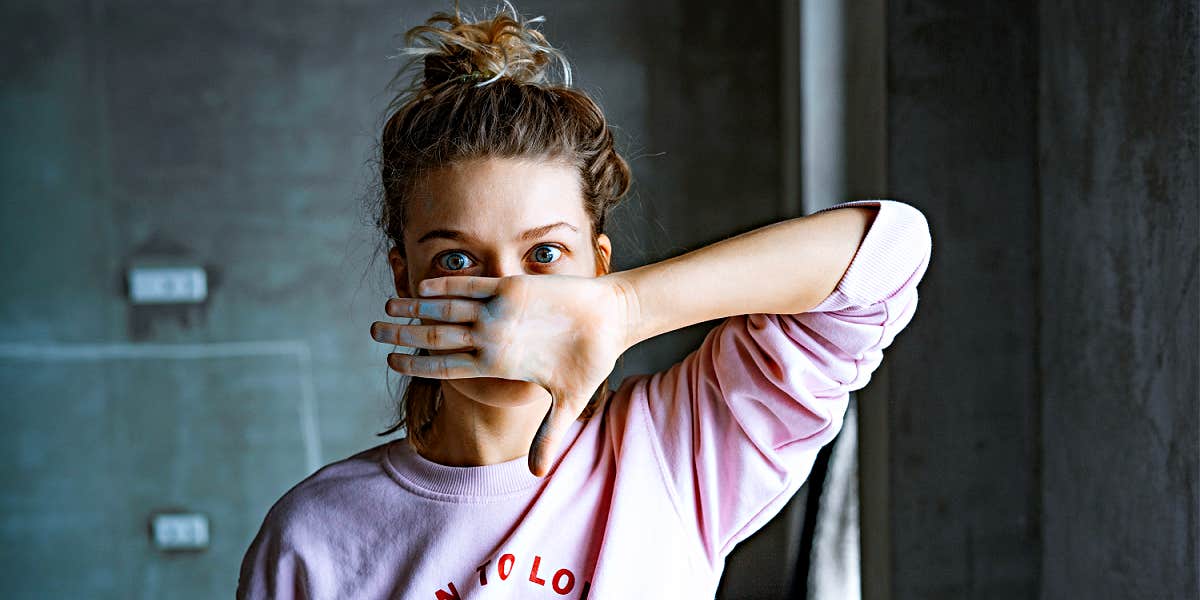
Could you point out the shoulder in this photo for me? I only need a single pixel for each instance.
(331, 492)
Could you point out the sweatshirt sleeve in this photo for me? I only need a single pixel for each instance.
(736, 425)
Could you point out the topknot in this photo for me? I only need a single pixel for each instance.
(479, 52)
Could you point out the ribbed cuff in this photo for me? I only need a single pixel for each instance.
(897, 245)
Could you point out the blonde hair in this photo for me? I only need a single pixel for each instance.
(486, 88)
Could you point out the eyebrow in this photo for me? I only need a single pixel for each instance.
(452, 234)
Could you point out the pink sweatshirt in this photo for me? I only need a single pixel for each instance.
(645, 499)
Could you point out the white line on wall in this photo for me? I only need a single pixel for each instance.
(297, 349)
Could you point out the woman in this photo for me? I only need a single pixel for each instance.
(521, 475)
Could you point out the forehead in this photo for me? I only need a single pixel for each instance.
(497, 195)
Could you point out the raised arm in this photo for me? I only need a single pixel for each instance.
(783, 268)
(809, 304)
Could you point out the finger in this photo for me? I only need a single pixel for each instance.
(438, 366)
(448, 310)
(432, 337)
(549, 437)
(470, 286)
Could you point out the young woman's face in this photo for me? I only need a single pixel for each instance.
(497, 217)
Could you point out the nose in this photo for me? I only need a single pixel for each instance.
(503, 267)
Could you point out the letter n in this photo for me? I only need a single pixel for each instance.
(451, 595)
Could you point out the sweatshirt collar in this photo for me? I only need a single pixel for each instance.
(423, 476)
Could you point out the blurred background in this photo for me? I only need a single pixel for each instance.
(1032, 434)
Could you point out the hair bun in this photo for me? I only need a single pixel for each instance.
(481, 51)
(441, 67)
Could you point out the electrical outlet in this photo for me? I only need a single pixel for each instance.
(167, 285)
(179, 531)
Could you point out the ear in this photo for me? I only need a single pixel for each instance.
(399, 272)
(604, 247)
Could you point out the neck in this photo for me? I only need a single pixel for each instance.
(467, 432)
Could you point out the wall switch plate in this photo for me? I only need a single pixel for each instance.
(167, 285)
(179, 531)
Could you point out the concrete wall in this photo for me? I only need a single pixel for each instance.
(1043, 404)
(237, 136)
(1048, 447)
(1120, 352)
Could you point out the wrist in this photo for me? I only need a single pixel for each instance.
(629, 306)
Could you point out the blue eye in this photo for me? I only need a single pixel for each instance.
(541, 253)
(455, 264)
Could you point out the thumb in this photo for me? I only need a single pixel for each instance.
(549, 436)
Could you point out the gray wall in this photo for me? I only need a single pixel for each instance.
(1049, 446)
(237, 136)
(1118, 299)
(964, 450)
(1042, 404)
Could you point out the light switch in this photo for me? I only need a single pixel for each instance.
(158, 285)
(179, 531)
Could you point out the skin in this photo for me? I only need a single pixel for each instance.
(522, 336)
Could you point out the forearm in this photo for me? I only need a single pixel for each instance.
(783, 268)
